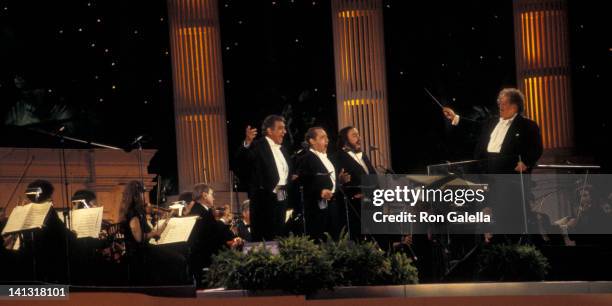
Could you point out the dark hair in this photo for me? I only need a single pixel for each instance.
(198, 189)
(343, 137)
(270, 121)
(47, 191)
(311, 133)
(84, 194)
(515, 96)
(132, 199)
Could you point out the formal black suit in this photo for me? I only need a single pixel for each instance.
(522, 142)
(257, 167)
(208, 238)
(522, 139)
(344, 161)
(314, 177)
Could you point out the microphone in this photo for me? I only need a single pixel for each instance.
(374, 148)
(60, 130)
(303, 147)
(137, 140)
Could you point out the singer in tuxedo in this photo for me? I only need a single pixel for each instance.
(510, 142)
(356, 163)
(265, 165)
(320, 181)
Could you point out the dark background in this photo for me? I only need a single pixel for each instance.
(103, 69)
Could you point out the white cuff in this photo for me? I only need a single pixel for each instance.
(455, 120)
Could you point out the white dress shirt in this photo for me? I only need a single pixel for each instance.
(358, 157)
(328, 165)
(498, 134)
(281, 163)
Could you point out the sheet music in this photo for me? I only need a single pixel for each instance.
(86, 222)
(37, 215)
(178, 230)
(27, 217)
(16, 219)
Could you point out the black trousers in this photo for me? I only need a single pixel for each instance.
(321, 221)
(267, 216)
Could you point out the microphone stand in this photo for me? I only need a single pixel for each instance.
(138, 142)
(526, 227)
(65, 195)
(303, 209)
(64, 178)
(346, 210)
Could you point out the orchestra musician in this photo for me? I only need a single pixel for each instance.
(242, 226)
(210, 235)
(42, 252)
(86, 252)
(148, 264)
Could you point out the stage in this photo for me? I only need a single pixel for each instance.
(540, 293)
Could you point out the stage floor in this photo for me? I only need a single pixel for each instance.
(473, 294)
(437, 290)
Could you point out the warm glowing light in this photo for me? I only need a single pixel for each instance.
(199, 104)
(357, 102)
(543, 68)
(354, 13)
(359, 55)
(537, 29)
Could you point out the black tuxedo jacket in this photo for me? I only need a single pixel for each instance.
(256, 165)
(344, 161)
(209, 235)
(314, 178)
(522, 139)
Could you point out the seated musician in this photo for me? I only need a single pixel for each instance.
(148, 264)
(84, 198)
(42, 253)
(224, 214)
(589, 218)
(242, 226)
(92, 259)
(210, 235)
